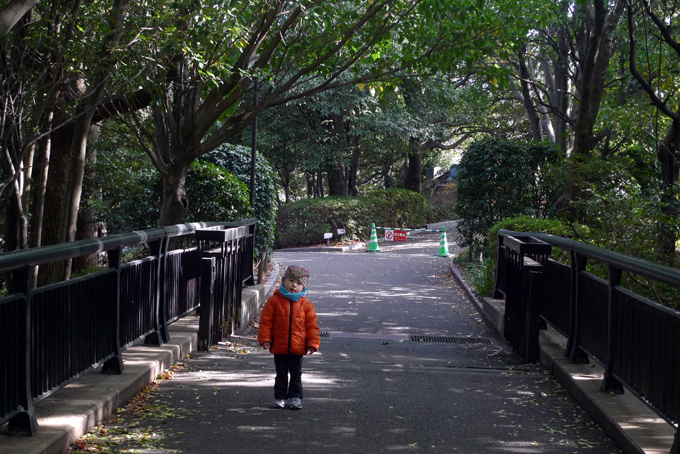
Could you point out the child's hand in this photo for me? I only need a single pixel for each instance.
(310, 350)
(267, 346)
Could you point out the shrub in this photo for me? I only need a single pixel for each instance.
(655, 291)
(215, 194)
(621, 213)
(237, 160)
(498, 179)
(305, 222)
(131, 192)
(525, 224)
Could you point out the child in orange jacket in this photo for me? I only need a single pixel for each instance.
(289, 329)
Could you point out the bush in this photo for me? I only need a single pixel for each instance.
(215, 194)
(237, 160)
(131, 192)
(498, 179)
(525, 224)
(621, 213)
(439, 214)
(305, 222)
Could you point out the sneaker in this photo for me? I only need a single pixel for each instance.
(279, 403)
(295, 404)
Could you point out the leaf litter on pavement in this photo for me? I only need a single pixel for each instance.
(138, 427)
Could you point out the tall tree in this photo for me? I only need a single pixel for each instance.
(668, 149)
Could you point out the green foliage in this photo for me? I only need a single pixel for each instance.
(305, 222)
(620, 206)
(534, 225)
(498, 179)
(527, 224)
(215, 194)
(131, 190)
(237, 160)
(440, 213)
(477, 273)
(655, 291)
(399, 208)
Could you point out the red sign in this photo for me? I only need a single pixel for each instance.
(399, 235)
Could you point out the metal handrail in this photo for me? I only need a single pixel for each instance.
(631, 336)
(642, 267)
(101, 292)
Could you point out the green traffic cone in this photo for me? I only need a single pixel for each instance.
(443, 246)
(373, 244)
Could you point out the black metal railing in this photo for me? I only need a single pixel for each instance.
(225, 254)
(52, 335)
(636, 340)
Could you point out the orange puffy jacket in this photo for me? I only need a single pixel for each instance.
(290, 326)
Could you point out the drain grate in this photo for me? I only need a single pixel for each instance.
(397, 337)
(450, 340)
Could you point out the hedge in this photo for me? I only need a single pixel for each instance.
(305, 222)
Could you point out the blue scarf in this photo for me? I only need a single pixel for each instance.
(292, 296)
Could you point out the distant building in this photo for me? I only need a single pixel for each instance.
(443, 191)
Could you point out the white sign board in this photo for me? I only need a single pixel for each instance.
(389, 235)
(327, 236)
(341, 231)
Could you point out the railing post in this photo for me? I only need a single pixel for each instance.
(24, 421)
(264, 264)
(609, 383)
(578, 265)
(115, 364)
(675, 449)
(160, 334)
(207, 289)
(535, 292)
(162, 289)
(523, 277)
(248, 256)
(501, 269)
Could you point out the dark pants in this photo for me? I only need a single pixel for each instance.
(286, 364)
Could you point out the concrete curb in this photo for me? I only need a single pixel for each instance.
(623, 417)
(72, 411)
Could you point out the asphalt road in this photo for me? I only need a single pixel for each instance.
(370, 388)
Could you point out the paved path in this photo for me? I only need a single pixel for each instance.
(368, 389)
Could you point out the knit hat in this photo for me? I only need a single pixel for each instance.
(297, 272)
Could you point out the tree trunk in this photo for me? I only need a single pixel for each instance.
(388, 180)
(599, 50)
(668, 156)
(352, 183)
(88, 226)
(174, 202)
(319, 191)
(55, 194)
(561, 94)
(337, 183)
(11, 13)
(525, 97)
(309, 179)
(44, 148)
(598, 42)
(74, 188)
(414, 172)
